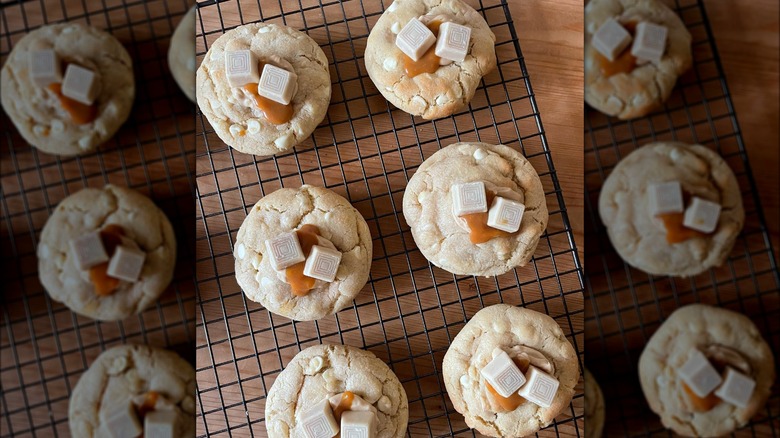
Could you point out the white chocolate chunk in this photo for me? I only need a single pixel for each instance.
(277, 84)
(503, 375)
(702, 215)
(649, 41)
(469, 198)
(453, 41)
(322, 263)
(45, 67)
(611, 39)
(126, 263)
(284, 251)
(666, 198)
(122, 422)
(241, 68)
(505, 214)
(88, 250)
(80, 84)
(358, 424)
(540, 387)
(736, 389)
(415, 39)
(699, 374)
(160, 424)
(318, 421)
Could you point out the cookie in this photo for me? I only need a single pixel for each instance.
(629, 88)
(594, 407)
(181, 54)
(37, 112)
(519, 332)
(100, 209)
(443, 238)
(340, 227)
(641, 238)
(324, 371)
(132, 373)
(234, 113)
(727, 339)
(451, 87)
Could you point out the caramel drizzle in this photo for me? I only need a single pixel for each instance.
(80, 113)
(276, 113)
(301, 284)
(111, 236)
(513, 401)
(429, 62)
(479, 231)
(624, 63)
(344, 405)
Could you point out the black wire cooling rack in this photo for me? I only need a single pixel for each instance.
(366, 150)
(44, 347)
(625, 305)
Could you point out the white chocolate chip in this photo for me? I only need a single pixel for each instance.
(40, 130)
(117, 366)
(675, 154)
(389, 63)
(265, 29)
(266, 282)
(253, 126)
(57, 125)
(480, 154)
(331, 382)
(43, 251)
(464, 380)
(85, 142)
(392, 7)
(417, 100)
(395, 28)
(236, 130)
(441, 99)
(241, 251)
(256, 259)
(284, 142)
(385, 405)
(314, 365)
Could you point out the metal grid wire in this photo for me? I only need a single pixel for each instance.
(44, 347)
(625, 305)
(366, 150)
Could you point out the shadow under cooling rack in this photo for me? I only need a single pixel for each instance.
(625, 305)
(366, 150)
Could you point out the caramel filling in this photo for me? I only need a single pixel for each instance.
(80, 114)
(479, 231)
(513, 401)
(150, 401)
(111, 236)
(276, 113)
(301, 284)
(701, 404)
(676, 232)
(429, 62)
(344, 405)
(625, 61)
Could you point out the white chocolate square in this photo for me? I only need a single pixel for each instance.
(88, 250)
(540, 387)
(469, 198)
(45, 67)
(284, 251)
(241, 68)
(649, 41)
(736, 389)
(665, 198)
(699, 374)
(611, 39)
(160, 424)
(318, 421)
(358, 424)
(123, 422)
(277, 84)
(702, 215)
(126, 263)
(453, 41)
(80, 84)
(505, 214)
(322, 263)
(503, 375)
(415, 39)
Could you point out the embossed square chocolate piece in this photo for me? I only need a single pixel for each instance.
(358, 424)
(503, 375)
(318, 421)
(649, 41)
(415, 39)
(277, 84)
(505, 214)
(241, 68)
(284, 251)
(736, 389)
(80, 84)
(127, 262)
(453, 41)
(611, 39)
(322, 263)
(160, 424)
(469, 198)
(540, 387)
(122, 421)
(702, 215)
(699, 374)
(665, 198)
(45, 67)
(88, 250)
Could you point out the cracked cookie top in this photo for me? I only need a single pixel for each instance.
(451, 87)
(36, 111)
(511, 329)
(235, 117)
(326, 370)
(443, 239)
(644, 88)
(640, 238)
(92, 210)
(287, 210)
(702, 327)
